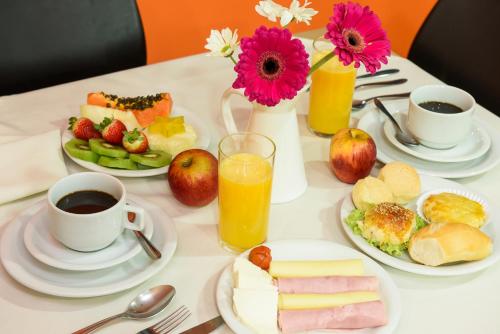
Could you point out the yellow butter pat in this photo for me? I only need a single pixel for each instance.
(316, 268)
(315, 301)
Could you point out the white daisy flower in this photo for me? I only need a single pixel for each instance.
(269, 9)
(222, 43)
(297, 12)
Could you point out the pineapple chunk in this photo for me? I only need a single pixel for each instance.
(167, 126)
(174, 144)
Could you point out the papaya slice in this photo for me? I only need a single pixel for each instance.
(144, 108)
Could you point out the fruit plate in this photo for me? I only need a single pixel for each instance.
(202, 141)
(404, 262)
(38, 276)
(304, 249)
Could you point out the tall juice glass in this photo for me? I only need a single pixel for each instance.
(332, 89)
(245, 177)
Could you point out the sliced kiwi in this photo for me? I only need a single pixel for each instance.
(141, 166)
(121, 163)
(80, 149)
(152, 158)
(101, 147)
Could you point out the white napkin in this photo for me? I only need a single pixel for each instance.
(30, 165)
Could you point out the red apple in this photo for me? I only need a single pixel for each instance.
(352, 155)
(192, 176)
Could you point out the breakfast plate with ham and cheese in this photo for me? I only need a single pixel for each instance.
(308, 286)
(132, 137)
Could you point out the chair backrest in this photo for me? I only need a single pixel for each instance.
(459, 44)
(47, 42)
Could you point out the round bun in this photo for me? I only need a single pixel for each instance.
(370, 191)
(402, 179)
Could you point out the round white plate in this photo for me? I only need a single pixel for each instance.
(28, 271)
(202, 141)
(314, 250)
(474, 146)
(405, 262)
(372, 123)
(43, 247)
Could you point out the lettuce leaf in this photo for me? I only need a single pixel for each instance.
(355, 221)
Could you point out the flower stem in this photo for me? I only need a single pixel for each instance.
(320, 62)
(231, 57)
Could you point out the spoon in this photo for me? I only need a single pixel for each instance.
(403, 137)
(382, 83)
(360, 104)
(145, 305)
(379, 74)
(148, 247)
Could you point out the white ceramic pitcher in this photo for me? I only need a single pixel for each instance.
(280, 124)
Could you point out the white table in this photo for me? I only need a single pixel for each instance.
(467, 304)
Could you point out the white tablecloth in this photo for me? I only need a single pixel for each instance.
(467, 304)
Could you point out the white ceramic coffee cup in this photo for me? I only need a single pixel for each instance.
(437, 130)
(94, 231)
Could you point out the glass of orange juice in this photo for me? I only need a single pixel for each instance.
(331, 94)
(245, 176)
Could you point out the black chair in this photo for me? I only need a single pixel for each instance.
(459, 44)
(48, 42)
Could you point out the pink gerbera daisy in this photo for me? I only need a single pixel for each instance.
(358, 36)
(272, 66)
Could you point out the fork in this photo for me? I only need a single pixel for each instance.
(168, 324)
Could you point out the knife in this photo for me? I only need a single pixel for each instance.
(382, 73)
(206, 327)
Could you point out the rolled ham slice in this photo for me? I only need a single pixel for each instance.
(327, 284)
(352, 316)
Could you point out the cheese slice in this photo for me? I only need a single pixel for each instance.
(258, 309)
(96, 114)
(246, 275)
(314, 301)
(316, 268)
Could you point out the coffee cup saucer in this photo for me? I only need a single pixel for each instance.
(476, 144)
(46, 249)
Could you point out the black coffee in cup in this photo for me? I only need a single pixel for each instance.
(86, 202)
(441, 107)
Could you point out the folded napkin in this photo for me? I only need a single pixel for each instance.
(30, 165)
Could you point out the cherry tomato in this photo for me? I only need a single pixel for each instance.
(261, 257)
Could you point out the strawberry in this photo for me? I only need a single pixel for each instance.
(135, 141)
(112, 130)
(83, 128)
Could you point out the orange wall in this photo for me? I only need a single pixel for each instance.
(178, 28)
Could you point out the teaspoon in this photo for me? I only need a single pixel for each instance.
(382, 83)
(145, 305)
(403, 137)
(360, 104)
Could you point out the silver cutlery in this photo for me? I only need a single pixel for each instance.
(360, 104)
(382, 83)
(379, 74)
(403, 137)
(145, 305)
(150, 249)
(206, 327)
(168, 324)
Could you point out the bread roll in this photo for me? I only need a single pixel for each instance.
(402, 179)
(440, 243)
(370, 191)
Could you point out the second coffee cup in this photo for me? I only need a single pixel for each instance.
(440, 116)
